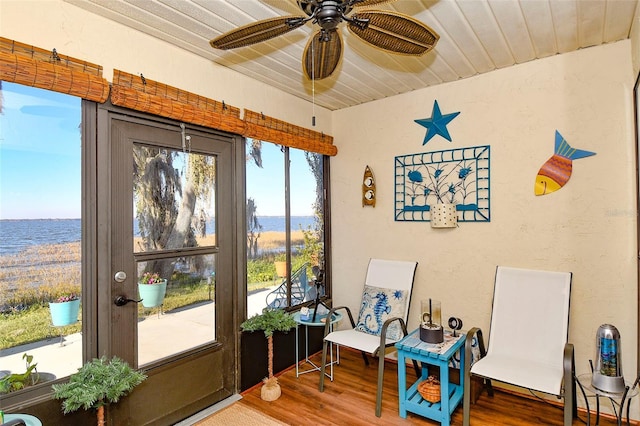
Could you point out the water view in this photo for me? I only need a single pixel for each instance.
(17, 235)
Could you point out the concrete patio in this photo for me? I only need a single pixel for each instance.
(63, 360)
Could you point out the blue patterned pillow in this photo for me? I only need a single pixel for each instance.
(475, 354)
(378, 305)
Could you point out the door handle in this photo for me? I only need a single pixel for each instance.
(123, 300)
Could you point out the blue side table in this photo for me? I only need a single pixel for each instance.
(319, 322)
(438, 355)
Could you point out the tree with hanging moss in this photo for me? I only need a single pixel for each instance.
(96, 384)
(167, 199)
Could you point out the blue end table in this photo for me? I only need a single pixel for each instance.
(428, 354)
(319, 322)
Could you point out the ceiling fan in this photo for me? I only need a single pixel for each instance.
(389, 31)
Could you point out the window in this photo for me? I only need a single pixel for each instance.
(40, 231)
(285, 234)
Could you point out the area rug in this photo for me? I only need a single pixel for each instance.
(241, 415)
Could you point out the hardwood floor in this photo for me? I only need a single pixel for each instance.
(350, 400)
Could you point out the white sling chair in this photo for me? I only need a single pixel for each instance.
(382, 318)
(528, 337)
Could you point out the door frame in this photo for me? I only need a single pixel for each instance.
(98, 133)
(636, 121)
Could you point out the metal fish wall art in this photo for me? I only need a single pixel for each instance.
(555, 173)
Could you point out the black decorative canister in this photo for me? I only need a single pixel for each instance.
(431, 330)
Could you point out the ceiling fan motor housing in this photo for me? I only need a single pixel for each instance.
(310, 6)
(328, 13)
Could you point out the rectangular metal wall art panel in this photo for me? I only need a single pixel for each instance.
(456, 176)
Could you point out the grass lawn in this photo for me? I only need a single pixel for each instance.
(30, 325)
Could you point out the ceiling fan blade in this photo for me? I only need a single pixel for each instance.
(368, 3)
(257, 32)
(322, 54)
(394, 32)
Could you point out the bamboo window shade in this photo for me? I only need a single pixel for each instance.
(46, 69)
(260, 126)
(142, 94)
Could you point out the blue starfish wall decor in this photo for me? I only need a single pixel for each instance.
(437, 124)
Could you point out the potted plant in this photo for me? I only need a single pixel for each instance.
(97, 383)
(11, 382)
(64, 309)
(268, 321)
(281, 268)
(152, 289)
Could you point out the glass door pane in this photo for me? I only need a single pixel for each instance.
(174, 209)
(180, 311)
(167, 180)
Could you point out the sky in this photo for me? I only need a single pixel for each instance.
(39, 154)
(266, 185)
(40, 161)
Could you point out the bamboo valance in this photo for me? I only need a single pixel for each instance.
(262, 127)
(141, 94)
(44, 69)
(32, 66)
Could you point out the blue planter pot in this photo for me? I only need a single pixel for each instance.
(152, 295)
(64, 313)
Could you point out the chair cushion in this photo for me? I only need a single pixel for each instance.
(353, 338)
(378, 305)
(526, 373)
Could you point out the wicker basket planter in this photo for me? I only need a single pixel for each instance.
(430, 389)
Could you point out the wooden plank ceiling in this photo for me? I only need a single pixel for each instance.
(476, 36)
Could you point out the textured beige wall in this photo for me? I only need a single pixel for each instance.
(72, 31)
(588, 227)
(635, 42)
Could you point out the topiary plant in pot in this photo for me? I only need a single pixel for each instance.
(97, 383)
(270, 320)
